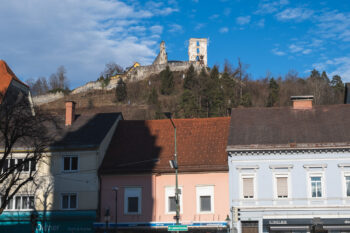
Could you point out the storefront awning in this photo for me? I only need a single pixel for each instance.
(284, 228)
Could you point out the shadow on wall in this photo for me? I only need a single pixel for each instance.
(74, 188)
(128, 165)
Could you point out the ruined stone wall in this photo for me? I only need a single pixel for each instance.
(162, 57)
(142, 72)
(47, 98)
(197, 51)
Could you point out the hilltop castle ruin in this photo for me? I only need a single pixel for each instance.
(197, 54)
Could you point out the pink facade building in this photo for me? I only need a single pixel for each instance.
(137, 164)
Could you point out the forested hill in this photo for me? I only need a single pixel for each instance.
(211, 93)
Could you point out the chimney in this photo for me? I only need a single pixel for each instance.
(347, 94)
(302, 101)
(70, 112)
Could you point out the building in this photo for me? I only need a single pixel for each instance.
(66, 191)
(137, 164)
(10, 86)
(290, 168)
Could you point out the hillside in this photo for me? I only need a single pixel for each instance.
(208, 93)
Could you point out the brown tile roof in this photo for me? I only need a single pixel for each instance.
(287, 128)
(6, 76)
(147, 146)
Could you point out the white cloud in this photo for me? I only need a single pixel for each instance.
(337, 66)
(215, 16)
(295, 48)
(227, 11)
(156, 29)
(334, 25)
(306, 51)
(199, 26)
(82, 35)
(261, 23)
(243, 20)
(297, 14)
(278, 52)
(175, 28)
(268, 7)
(223, 30)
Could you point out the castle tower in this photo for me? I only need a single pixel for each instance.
(162, 57)
(197, 51)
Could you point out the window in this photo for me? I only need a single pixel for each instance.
(347, 186)
(20, 203)
(171, 204)
(316, 186)
(170, 200)
(132, 200)
(70, 163)
(281, 185)
(69, 201)
(205, 203)
(197, 50)
(28, 166)
(205, 199)
(248, 187)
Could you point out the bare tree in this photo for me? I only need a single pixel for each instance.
(112, 68)
(20, 128)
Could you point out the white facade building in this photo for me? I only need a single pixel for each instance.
(290, 169)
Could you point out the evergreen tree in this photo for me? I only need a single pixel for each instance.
(273, 93)
(153, 97)
(190, 80)
(167, 81)
(337, 83)
(324, 77)
(189, 104)
(121, 92)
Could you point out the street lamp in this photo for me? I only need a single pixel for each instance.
(107, 218)
(174, 165)
(115, 188)
(228, 221)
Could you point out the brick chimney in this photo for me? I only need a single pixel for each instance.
(70, 112)
(302, 101)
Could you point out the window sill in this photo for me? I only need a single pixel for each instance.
(132, 213)
(205, 212)
(70, 171)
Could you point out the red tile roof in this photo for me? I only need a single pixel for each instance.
(6, 76)
(147, 146)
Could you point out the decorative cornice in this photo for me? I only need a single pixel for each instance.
(242, 152)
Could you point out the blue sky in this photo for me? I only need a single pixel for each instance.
(272, 37)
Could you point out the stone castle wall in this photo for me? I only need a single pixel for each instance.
(47, 98)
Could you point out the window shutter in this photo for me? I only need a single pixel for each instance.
(248, 188)
(282, 186)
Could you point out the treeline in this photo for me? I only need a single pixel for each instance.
(57, 82)
(211, 93)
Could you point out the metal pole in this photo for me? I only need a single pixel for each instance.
(116, 211)
(177, 185)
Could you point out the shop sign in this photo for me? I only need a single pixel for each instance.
(178, 228)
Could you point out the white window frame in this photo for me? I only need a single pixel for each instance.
(21, 203)
(69, 194)
(248, 175)
(289, 183)
(16, 162)
(170, 192)
(344, 175)
(205, 190)
(70, 163)
(323, 184)
(132, 192)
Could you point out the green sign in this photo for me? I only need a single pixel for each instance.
(178, 228)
